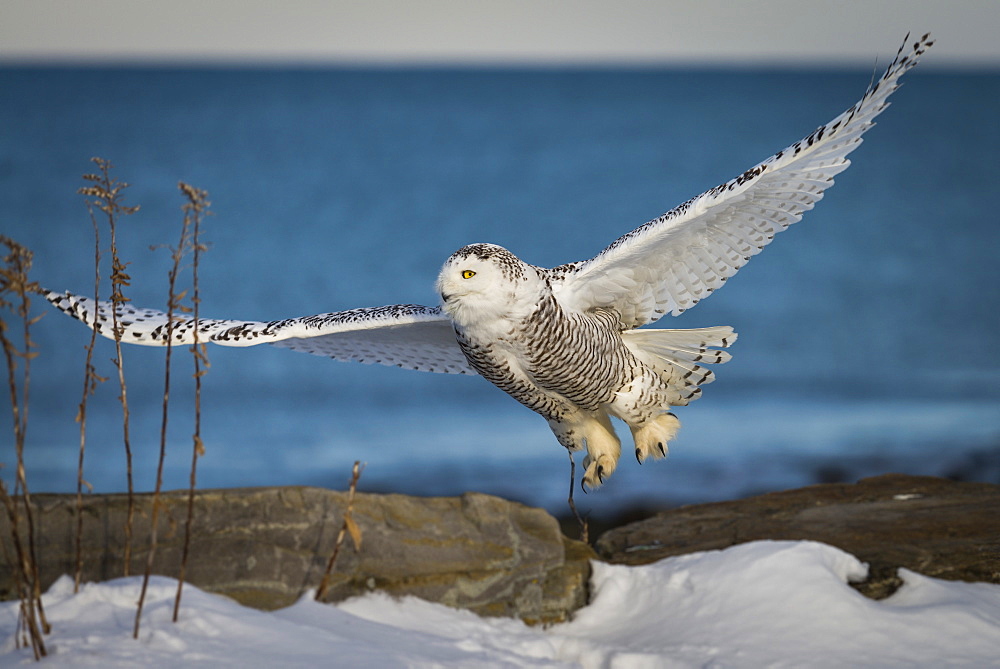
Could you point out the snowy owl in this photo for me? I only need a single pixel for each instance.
(565, 342)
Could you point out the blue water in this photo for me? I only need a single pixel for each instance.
(868, 332)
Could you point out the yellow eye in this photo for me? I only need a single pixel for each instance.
(468, 274)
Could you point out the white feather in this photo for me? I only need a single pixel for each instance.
(403, 335)
(731, 222)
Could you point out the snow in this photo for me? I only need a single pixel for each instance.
(767, 603)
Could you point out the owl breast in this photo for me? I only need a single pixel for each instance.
(553, 362)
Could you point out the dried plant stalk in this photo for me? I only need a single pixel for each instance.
(27, 619)
(15, 292)
(194, 210)
(90, 381)
(175, 306)
(348, 527)
(105, 195)
(581, 521)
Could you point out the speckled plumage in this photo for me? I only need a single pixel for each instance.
(563, 341)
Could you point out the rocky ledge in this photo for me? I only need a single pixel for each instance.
(937, 527)
(266, 547)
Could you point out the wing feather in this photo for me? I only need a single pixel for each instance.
(672, 262)
(401, 335)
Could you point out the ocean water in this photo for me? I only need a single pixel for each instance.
(868, 332)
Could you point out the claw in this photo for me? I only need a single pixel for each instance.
(583, 487)
(638, 456)
(653, 438)
(600, 473)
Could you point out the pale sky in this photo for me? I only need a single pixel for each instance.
(720, 32)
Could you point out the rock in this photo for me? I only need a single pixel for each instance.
(933, 526)
(265, 547)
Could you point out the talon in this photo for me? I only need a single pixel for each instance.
(638, 455)
(600, 473)
(663, 451)
(583, 487)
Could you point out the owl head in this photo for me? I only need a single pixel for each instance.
(484, 282)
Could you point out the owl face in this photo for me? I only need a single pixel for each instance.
(469, 275)
(481, 282)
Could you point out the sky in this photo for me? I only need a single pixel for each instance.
(585, 32)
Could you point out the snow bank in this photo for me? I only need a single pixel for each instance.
(757, 604)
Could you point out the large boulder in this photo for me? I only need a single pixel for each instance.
(934, 526)
(265, 547)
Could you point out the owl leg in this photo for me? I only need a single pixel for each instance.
(592, 430)
(640, 404)
(652, 436)
(603, 450)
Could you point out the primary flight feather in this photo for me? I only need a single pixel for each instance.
(563, 341)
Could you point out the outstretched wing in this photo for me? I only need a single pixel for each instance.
(672, 262)
(401, 335)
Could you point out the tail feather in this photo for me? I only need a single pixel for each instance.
(678, 355)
